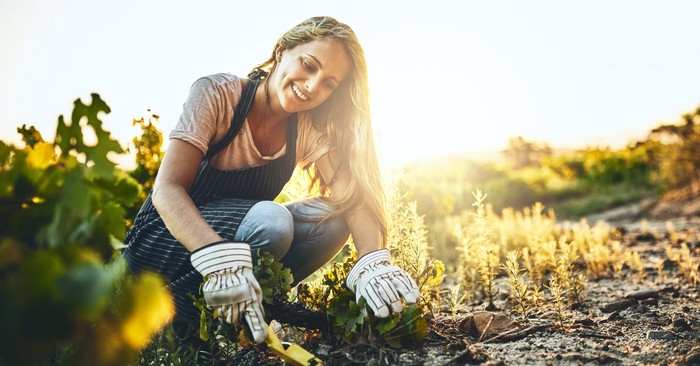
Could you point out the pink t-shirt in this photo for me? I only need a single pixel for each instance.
(207, 115)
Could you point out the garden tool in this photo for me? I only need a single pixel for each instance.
(291, 354)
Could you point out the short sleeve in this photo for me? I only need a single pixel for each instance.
(202, 114)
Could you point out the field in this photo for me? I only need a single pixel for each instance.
(499, 285)
(627, 318)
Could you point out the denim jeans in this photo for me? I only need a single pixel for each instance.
(295, 233)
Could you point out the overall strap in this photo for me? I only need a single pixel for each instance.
(238, 118)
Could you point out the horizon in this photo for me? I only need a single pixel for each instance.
(446, 77)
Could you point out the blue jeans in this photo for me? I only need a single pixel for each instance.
(295, 233)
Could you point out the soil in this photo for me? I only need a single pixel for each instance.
(624, 320)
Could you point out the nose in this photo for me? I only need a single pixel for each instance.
(310, 84)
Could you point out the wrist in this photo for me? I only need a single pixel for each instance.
(221, 255)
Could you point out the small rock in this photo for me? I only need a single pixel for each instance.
(618, 305)
(643, 295)
(642, 309)
(613, 316)
(661, 335)
(607, 359)
(324, 350)
(486, 324)
(686, 309)
(645, 237)
(693, 358)
(669, 264)
(681, 324)
(585, 322)
(494, 363)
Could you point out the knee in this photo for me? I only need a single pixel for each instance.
(273, 227)
(335, 230)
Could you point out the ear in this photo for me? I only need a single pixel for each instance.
(278, 54)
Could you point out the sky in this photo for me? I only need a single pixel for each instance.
(446, 77)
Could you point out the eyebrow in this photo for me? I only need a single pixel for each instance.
(321, 66)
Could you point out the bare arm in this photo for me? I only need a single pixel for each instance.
(171, 198)
(366, 232)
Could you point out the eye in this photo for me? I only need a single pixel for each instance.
(308, 66)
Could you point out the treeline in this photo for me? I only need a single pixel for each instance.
(574, 184)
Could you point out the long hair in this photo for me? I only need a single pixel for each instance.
(344, 117)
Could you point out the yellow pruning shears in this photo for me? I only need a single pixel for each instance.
(293, 354)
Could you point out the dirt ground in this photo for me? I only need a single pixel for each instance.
(627, 320)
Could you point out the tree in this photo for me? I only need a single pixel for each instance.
(678, 151)
(522, 154)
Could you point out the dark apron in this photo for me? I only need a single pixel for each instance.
(223, 198)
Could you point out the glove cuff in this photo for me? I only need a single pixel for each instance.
(366, 262)
(221, 255)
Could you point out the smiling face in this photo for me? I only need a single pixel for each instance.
(307, 74)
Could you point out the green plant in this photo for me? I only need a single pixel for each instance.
(408, 242)
(455, 298)
(64, 288)
(559, 300)
(688, 265)
(485, 251)
(519, 285)
(148, 148)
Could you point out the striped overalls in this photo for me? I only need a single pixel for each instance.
(223, 198)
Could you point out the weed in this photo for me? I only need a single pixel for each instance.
(519, 285)
(559, 301)
(688, 265)
(455, 298)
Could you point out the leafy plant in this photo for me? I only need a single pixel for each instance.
(63, 206)
(148, 148)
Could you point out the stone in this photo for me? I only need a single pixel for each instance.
(618, 305)
(645, 237)
(661, 335)
(585, 322)
(643, 295)
(693, 358)
(613, 316)
(681, 324)
(487, 324)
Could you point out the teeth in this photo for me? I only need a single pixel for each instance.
(299, 93)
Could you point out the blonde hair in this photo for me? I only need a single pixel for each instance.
(344, 117)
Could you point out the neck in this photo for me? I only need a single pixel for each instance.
(265, 109)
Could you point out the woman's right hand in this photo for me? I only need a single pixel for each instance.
(230, 289)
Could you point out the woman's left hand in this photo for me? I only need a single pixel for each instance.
(381, 284)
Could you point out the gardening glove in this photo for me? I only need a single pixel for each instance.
(230, 289)
(381, 284)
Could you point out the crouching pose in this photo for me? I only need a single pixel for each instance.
(234, 148)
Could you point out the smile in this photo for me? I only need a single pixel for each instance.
(299, 93)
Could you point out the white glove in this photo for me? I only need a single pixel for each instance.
(381, 284)
(230, 289)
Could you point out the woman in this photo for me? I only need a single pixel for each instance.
(233, 149)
